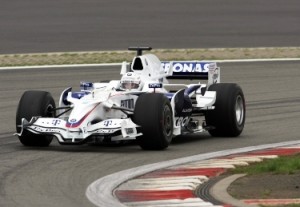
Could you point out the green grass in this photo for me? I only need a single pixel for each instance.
(281, 165)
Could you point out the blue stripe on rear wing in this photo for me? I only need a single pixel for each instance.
(188, 69)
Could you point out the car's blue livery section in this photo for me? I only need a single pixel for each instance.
(191, 89)
(79, 95)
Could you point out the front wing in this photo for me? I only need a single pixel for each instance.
(114, 129)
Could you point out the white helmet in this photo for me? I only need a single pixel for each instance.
(131, 81)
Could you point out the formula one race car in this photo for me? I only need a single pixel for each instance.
(143, 105)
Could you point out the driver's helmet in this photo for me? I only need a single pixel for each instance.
(131, 81)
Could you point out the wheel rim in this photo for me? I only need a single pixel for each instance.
(239, 110)
(167, 121)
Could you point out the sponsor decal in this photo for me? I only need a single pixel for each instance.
(187, 110)
(214, 74)
(46, 130)
(129, 130)
(188, 67)
(155, 85)
(127, 103)
(107, 123)
(106, 131)
(86, 85)
(181, 121)
(56, 122)
(73, 121)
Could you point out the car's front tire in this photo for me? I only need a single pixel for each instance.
(228, 117)
(153, 113)
(34, 103)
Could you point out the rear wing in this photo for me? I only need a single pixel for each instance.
(198, 70)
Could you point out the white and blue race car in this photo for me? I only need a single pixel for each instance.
(142, 105)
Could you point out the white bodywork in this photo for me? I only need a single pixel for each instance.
(103, 111)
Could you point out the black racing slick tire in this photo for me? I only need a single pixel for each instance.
(228, 117)
(153, 113)
(34, 103)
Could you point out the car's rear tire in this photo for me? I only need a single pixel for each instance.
(34, 103)
(228, 117)
(153, 113)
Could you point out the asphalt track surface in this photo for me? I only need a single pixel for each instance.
(75, 25)
(59, 175)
